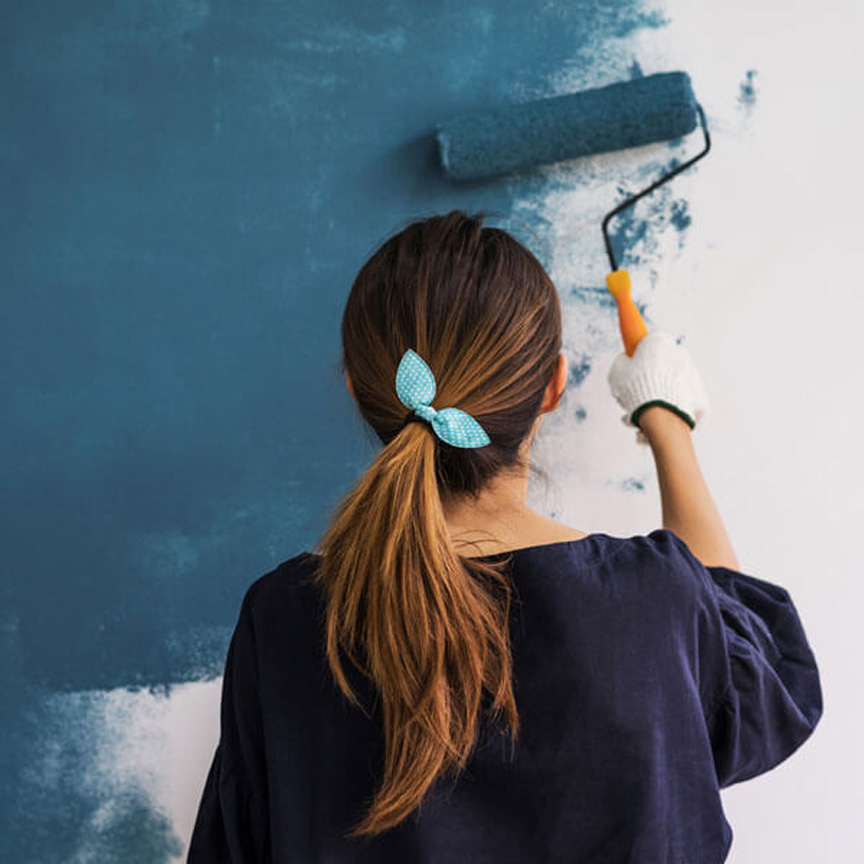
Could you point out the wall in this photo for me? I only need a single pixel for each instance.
(189, 188)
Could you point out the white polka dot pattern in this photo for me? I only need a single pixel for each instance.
(415, 387)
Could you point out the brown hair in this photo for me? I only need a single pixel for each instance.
(429, 627)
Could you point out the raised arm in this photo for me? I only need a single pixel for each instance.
(688, 508)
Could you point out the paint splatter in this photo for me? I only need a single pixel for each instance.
(633, 484)
(747, 91)
(579, 413)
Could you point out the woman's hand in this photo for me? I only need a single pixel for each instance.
(660, 373)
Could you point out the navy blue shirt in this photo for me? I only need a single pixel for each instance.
(645, 683)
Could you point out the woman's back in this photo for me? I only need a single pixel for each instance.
(451, 677)
(645, 682)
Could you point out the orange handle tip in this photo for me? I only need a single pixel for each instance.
(630, 321)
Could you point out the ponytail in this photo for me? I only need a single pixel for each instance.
(428, 628)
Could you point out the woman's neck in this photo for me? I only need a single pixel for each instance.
(499, 520)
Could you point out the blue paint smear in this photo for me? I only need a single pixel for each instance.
(578, 371)
(629, 227)
(679, 216)
(579, 413)
(653, 18)
(190, 190)
(594, 295)
(642, 222)
(633, 484)
(50, 746)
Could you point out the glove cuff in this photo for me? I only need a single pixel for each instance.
(634, 417)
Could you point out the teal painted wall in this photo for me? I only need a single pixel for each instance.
(189, 189)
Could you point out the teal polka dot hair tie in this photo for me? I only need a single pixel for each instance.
(415, 387)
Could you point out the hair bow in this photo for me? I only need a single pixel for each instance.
(415, 387)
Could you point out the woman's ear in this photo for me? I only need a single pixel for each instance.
(348, 383)
(556, 386)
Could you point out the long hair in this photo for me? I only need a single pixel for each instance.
(428, 627)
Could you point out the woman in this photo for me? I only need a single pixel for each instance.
(453, 677)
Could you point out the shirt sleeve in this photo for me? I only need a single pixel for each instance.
(763, 697)
(232, 820)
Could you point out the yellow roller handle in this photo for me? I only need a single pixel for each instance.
(633, 328)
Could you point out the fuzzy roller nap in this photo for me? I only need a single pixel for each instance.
(659, 107)
(626, 114)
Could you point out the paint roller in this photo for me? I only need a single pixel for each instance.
(644, 110)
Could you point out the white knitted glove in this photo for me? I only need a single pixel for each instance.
(660, 372)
